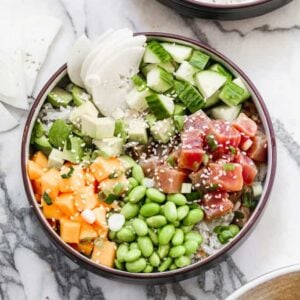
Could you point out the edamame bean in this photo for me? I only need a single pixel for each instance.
(194, 235)
(156, 221)
(177, 251)
(130, 210)
(133, 245)
(178, 237)
(234, 229)
(165, 234)
(146, 246)
(119, 265)
(176, 223)
(194, 216)
(155, 195)
(125, 234)
(112, 235)
(170, 211)
(172, 267)
(224, 236)
(191, 247)
(165, 265)
(163, 250)
(148, 200)
(154, 259)
(137, 194)
(182, 212)
(140, 227)
(137, 265)
(182, 261)
(150, 209)
(178, 199)
(132, 255)
(187, 229)
(138, 173)
(153, 236)
(132, 183)
(121, 252)
(148, 269)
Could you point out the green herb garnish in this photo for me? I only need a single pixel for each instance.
(232, 149)
(69, 174)
(211, 142)
(47, 198)
(196, 195)
(229, 167)
(111, 198)
(171, 161)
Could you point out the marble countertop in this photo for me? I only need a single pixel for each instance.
(268, 50)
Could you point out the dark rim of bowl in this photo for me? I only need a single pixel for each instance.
(226, 6)
(72, 253)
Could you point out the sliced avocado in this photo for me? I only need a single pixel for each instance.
(163, 130)
(37, 131)
(79, 95)
(88, 108)
(59, 133)
(59, 97)
(42, 144)
(55, 159)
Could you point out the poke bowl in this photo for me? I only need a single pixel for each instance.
(148, 162)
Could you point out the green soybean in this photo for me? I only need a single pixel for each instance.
(112, 235)
(165, 264)
(133, 245)
(191, 247)
(176, 223)
(155, 195)
(187, 229)
(140, 227)
(178, 199)
(177, 251)
(125, 234)
(119, 265)
(156, 221)
(132, 255)
(148, 269)
(170, 211)
(154, 259)
(137, 265)
(194, 235)
(132, 183)
(182, 261)
(130, 210)
(178, 237)
(172, 267)
(121, 252)
(182, 212)
(163, 250)
(153, 236)
(138, 173)
(194, 216)
(165, 235)
(234, 229)
(146, 246)
(148, 200)
(137, 194)
(150, 209)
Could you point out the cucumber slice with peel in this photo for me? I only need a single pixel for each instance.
(186, 72)
(137, 100)
(159, 80)
(168, 66)
(232, 94)
(161, 106)
(225, 112)
(220, 69)
(199, 59)
(178, 52)
(163, 130)
(155, 53)
(213, 100)
(240, 83)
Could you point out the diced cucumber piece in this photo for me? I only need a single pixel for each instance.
(220, 69)
(127, 162)
(42, 144)
(257, 189)
(163, 130)
(213, 100)
(186, 72)
(74, 149)
(59, 97)
(189, 96)
(111, 146)
(69, 87)
(186, 188)
(79, 95)
(59, 133)
(179, 109)
(151, 119)
(155, 53)
(87, 108)
(179, 122)
(168, 66)
(97, 128)
(120, 130)
(118, 114)
(199, 59)
(137, 131)
(161, 106)
(209, 82)
(240, 83)
(225, 112)
(178, 52)
(139, 82)
(231, 94)
(137, 99)
(159, 80)
(55, 159)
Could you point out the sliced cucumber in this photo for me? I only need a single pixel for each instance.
(257, 189)
(151, 119)
(137, 100)
(163, 130)
(199, 59)
(231, 94)
(186, 188)
(179, 109)
(161, 106)
(240, 83)
(59, 97)
(220, 69)
(225, 112)
(155, 53)
(179, 122)
(212, 100)
(186, 72)
(168, 66)
(137, 131)
(159, 80)
(120, 130)
(86, 108)
(79, 96)
(139, 82)
(111, 146)
(209, 82)
(178, 52)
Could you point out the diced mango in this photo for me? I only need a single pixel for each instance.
(87, 232)
(76, 181)
(38, 197)
(34, 170)
(86, 249)
(50, 183)
(51, 211)
(105, 254)
(89, 178)
(65, 202)
(69, 231)
(40, 158)
(100, 213)
(37, 186)
(102, 231)
(85, 198)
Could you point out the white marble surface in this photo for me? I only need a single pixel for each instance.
(267, 48)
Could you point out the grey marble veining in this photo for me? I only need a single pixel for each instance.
(267, 48)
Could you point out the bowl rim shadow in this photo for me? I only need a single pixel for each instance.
(182, 273)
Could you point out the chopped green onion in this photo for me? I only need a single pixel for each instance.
(248, 200)
(139, 82)
(239, 215)
(171, 161)
(205, 159)
(118, 188)
(98, 242)
(111, 198)
(47, 198)
(115, 174)
(196, 195)
(229, 167)
(211, 142)
(179, 122)
(69, 174)
(232, 149)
